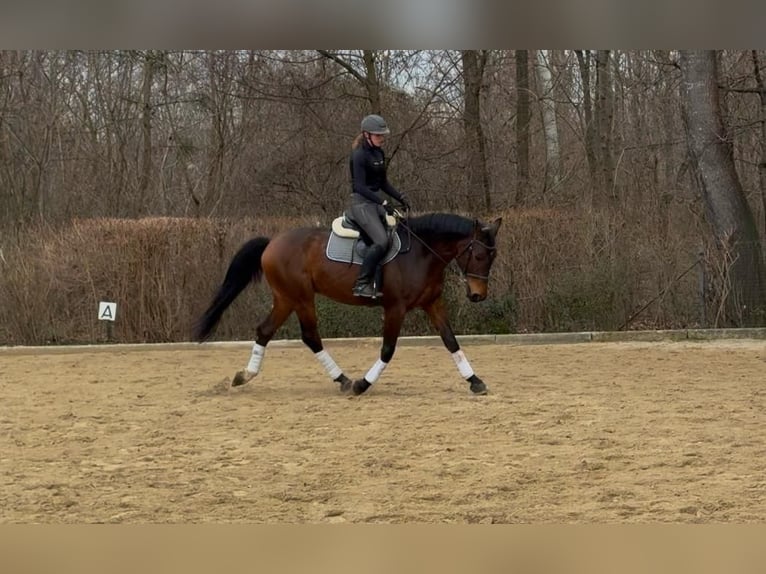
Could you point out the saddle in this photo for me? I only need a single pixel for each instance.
(346, 243)
(345, 227)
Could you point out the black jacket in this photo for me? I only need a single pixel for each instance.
(368, 173)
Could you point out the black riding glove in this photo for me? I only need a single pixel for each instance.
(390, 209)
(405, 200)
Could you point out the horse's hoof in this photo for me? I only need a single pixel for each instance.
(241, 378)
(477, 386)
(360, 386)
(345, 383)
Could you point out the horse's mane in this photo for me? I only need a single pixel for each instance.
(441, 226)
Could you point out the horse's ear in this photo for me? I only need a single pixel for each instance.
(493, 227)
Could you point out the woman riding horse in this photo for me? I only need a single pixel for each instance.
(367, 204)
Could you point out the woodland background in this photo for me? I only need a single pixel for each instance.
(632, 183)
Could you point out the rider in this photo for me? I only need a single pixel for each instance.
(368, 204)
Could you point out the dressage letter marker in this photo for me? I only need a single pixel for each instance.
(107, 311)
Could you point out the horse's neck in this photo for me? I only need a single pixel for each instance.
(442, 252)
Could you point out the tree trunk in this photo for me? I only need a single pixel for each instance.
(583, 59)
(217, 145)
(604, 113)
(146, 129)
(726, 206)
(476, 160)
(371, 81)
(762, 163)
(550, 129)
(522, 126)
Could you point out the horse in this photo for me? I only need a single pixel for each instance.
(296, 267)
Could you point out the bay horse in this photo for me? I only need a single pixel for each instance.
(296, 268)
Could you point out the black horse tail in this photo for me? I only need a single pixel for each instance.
(245, 266)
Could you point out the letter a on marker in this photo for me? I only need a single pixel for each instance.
(107, 311)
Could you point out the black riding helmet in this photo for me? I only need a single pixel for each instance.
(374, 124)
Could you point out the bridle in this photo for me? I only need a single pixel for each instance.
(464, 274)
(469, 249)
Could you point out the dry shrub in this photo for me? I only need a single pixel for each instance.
(556, 270)
(161, 272)
(565, 270)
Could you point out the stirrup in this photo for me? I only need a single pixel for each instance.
(364, 290)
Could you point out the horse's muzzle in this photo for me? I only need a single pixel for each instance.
(476, 289)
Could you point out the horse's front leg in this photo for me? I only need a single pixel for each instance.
(437, 313)
(392, 324)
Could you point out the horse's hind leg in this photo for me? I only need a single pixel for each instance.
(310, 335)
(280, 311)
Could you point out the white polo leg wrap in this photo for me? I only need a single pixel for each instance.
(374, 373)
(330, 366)
(255, 359)
(462, 364)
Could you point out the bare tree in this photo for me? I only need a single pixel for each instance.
(761, 90)
(716, 177)
(522, 125)
(584, 61)
(604, 116)
(149, 64)
(598, 119)
(550, 124)
(474, 62)
(367, 76)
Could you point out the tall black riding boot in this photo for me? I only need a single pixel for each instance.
(378, 281)
(364, 282)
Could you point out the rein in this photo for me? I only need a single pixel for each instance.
(469, 248)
